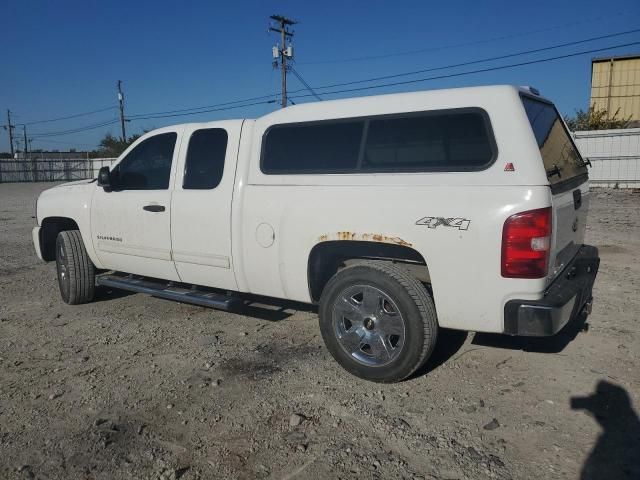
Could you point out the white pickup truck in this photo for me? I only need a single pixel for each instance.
(397, 214)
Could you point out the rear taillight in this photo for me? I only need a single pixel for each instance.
(526, 243)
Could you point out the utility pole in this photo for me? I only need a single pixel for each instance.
(24, 134)
(121, 101)
(10, 128)
(282, 52)
(27, 143)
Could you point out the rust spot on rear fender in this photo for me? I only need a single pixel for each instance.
(364, 237)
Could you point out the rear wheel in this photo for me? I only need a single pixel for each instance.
(76, 272)
(378, 321)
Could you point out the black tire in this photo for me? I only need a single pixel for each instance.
(396, 293)
(76, 272)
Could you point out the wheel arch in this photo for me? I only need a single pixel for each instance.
(50, 227)
(328, 257)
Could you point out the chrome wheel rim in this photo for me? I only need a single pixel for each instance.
(368, 325)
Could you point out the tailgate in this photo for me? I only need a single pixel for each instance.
(568, 180)
(570, 210)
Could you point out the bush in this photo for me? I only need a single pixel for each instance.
(594, 119)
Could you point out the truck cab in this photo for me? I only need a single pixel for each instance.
(141, 214)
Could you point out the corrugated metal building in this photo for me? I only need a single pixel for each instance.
(615, 84)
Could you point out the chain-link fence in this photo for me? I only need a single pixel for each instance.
(50, 169)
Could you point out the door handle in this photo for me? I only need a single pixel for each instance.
(154, 208)
(577, 199)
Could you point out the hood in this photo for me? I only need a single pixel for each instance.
(70, 200)
(76, 182)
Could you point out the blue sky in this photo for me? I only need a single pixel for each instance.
(64, 57)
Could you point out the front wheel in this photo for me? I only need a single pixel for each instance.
(378, 321)
(76, 272)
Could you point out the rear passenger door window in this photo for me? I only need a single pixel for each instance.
(206, 153)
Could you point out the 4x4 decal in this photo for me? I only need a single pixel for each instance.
(433, 222)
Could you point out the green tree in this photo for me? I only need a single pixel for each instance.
(595, 119)
(111, 146)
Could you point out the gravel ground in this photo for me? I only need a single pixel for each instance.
(131, 386)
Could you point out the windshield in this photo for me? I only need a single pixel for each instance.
(561, 158)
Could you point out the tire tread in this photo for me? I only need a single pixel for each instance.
(81, 269)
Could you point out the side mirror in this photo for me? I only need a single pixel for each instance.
(104, 178)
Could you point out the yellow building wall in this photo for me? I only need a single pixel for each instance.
(617, 85)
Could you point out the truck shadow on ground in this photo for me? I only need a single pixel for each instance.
(554, 344)
(615, 454)
(272, 310)
(261, 308)
(449, 343)
(104, 294)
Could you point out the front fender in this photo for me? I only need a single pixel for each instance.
(73, 201)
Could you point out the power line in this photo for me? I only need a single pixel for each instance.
(230, 106)
(193, 109)
(303, 82)
(463, 44)
(474, 62)
(470, 72)
(58, 142)
(243, 103)
(75, 130)
(114, 121)
(207, 111)
(185, 112)
(70, 116)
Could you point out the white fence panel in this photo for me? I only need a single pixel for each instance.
(98, 163)
(614, 155)
(50, 169)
